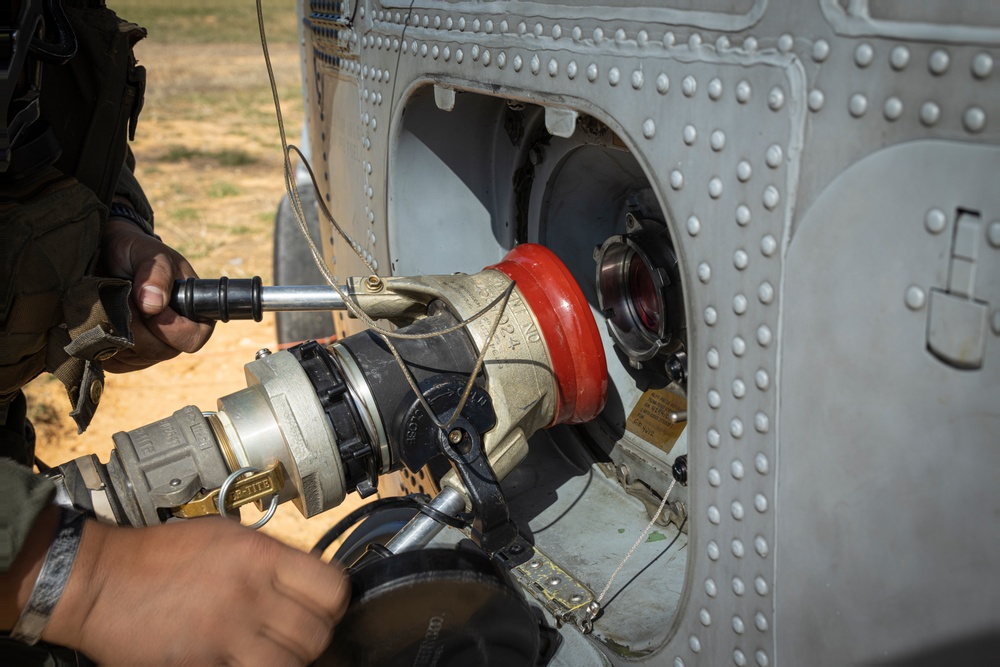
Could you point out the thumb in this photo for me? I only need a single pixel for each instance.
(150, 299)
(154, 273)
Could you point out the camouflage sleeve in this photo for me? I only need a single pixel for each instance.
(129, 188)
(22, 496)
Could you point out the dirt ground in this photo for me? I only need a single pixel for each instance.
(209, 158)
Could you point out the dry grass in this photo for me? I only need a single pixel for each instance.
(209, 152)
(210, 21)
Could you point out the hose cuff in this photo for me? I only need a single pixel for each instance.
(120, 210)
(51, 579)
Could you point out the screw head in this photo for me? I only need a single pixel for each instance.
(261, 353)
(175, 482)
(455, 436)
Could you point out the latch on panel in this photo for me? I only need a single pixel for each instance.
(956, 320)
(560, 122)
(444, 98)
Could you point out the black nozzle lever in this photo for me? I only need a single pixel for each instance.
(224, 299)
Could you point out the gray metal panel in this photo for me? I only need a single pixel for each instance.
(889, 466)
(800, 129)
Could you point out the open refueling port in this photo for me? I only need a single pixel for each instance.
(471, 180)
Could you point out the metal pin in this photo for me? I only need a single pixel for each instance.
(678, 417)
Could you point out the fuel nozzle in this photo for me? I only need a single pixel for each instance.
(317, 422)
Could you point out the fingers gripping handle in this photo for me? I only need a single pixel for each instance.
(223, 299)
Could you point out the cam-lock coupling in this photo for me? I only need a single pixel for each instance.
(317, 422)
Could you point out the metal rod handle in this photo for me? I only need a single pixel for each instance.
(224, 299)
(421, 529)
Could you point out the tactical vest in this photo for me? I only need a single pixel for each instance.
(55, 314)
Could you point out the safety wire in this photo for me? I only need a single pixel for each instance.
(293, 195)
(642, 536)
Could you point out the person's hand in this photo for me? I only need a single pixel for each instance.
(160, 333)
(198, 592)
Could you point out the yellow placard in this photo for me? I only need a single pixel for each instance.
(650, 418)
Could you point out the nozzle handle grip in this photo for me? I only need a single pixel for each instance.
(222, 299)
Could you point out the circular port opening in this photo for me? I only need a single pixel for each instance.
(636, 291)
(642, 294)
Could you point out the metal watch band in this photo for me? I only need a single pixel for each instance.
(51, 579)
(120, 210)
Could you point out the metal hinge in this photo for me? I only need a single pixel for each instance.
(563, 596)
